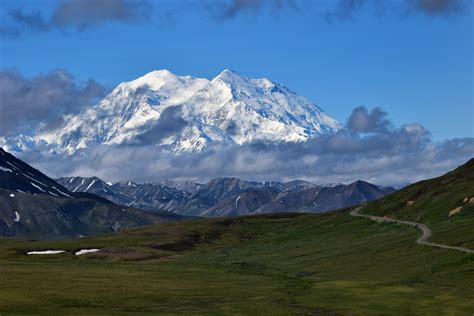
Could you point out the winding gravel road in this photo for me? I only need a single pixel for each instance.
(425, 229)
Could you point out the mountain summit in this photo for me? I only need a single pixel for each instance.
(184, 113)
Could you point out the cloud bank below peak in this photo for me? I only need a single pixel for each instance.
(369, 148)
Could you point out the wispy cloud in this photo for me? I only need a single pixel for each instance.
(337, 11)
(79, 15)
(224, 10)
(86, 13)
(76, 15)
(440, 7)
(349, 9)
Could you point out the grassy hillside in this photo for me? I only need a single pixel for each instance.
(431, 201)
(327, 264)
(272, 265)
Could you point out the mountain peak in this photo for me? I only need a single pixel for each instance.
(164, 79)
(162, 73)
(230, 76)
(230, 72)
(154, 79)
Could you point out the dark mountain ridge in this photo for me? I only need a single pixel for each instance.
(32, 205)
(15, 175)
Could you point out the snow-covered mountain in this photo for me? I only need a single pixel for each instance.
(185, 113)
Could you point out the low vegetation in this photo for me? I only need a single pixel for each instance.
(278, 265)
(326, 264)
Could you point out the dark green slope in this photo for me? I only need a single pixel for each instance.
(431, 201)
(285, 264)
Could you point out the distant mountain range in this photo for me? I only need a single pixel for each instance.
(231, 196)
(184, 113)
(33, 205)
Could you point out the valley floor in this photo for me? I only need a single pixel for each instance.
(326, 264)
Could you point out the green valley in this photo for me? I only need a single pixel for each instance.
(280, 264)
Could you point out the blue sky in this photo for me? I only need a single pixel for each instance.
(417, 66)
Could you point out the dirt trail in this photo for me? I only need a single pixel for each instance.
(425, 229)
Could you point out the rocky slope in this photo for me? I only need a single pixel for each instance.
(96, 186)
(232, 196)
(323, 199)
(152, 196)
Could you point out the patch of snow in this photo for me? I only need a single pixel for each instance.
(89, 186)
(116, 227)
(237, 201)
(37, 187)
(84, 251)
(46, 252)
(17, 217)
(12, 195)
(33, 179)
(5, 169)
(65, 194)
(12, 165)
